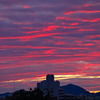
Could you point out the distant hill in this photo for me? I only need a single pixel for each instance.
(74, 89)
(4, 94)
(97, 94)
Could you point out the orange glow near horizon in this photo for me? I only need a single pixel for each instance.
(57, 77)
(94, 91)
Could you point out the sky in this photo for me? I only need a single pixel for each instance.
(40, 37)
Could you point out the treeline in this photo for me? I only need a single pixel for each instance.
(35, 94)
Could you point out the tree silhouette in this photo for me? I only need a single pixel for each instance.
(35, 94)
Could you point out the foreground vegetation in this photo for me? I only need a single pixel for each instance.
(35, 94)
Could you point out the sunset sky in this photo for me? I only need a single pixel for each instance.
(39, 37)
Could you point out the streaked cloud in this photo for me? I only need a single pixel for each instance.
(60, 37)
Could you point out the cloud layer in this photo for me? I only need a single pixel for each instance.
(39, 37)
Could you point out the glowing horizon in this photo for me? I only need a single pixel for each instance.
(57, 78)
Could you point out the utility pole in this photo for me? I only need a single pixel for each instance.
(14, 86)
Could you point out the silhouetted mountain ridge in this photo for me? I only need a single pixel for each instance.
(97, 94)
(5, 94)
(74, 89)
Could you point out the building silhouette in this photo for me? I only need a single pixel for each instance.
(52, 88)
(49, 86)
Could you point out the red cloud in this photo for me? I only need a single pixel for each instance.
(79, 19)
(74, 24)
(26, 6)
(49, 28)
(25, 38)
(86, 29)
(82, 11)
(93, 36)
(91, 20)
(49, 52)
